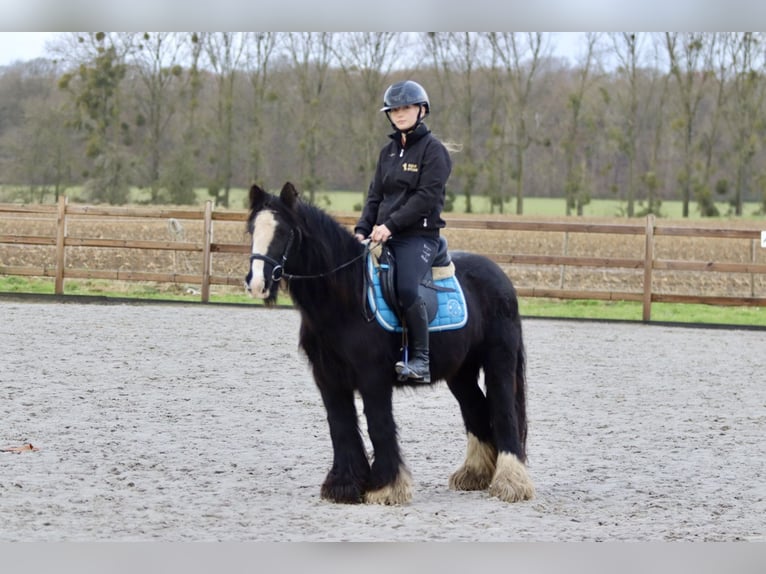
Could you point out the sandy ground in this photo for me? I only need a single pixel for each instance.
(202, 423)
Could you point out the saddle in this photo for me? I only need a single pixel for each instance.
(440, 289)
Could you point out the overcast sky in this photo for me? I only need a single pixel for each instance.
(24, 46)
(368, 15)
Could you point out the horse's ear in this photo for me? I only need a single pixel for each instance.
(289, 195)
(258, 198)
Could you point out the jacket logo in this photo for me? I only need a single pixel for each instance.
(413, 167)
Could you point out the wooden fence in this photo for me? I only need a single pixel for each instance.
(647, 263)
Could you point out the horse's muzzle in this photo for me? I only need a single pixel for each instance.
(259, 290)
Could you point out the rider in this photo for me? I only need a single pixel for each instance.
(403, 209)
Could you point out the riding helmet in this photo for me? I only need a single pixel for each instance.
(404, 94)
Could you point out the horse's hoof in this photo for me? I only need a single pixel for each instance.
(511, 482)
(469, 479)
(335, 490)
(478, 468)
(397, 493)
(342, 496)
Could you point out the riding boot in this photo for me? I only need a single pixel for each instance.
(417, 368)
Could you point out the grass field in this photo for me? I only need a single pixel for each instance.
(529, 306)
(349, 201)
(541, 206)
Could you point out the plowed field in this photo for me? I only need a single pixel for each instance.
(705, 249)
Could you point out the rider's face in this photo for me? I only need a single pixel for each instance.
(405, 117)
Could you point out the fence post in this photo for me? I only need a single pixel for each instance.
(60, 237)
(648, 264)
(753, 259)
(206, 252)
(562, 269)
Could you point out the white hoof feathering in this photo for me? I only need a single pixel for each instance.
(511, 482)
(478, 468)
(397, 493)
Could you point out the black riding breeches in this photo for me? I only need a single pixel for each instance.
(414, 255)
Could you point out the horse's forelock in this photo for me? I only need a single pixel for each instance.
(255, 209)
(272, 204)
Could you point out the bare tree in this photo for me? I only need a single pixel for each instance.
(260, 47)
(366, 60)
(712, 124)
(690, 56)
(225, 52)
(36, 145)
(181, 171)
(745, 113)
(72, 49)
(455, 57)
(520, 56)
(575, 150)
(311, 54)
(654, 98)
(158, 68)
(251, 108)
(627, 50)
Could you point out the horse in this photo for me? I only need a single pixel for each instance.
(323, 268)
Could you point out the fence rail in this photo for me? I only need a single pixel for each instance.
(207, 248)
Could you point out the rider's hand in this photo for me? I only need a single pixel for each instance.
(380, 234)
(359, 237)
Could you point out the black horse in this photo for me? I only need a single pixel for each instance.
(323, 266)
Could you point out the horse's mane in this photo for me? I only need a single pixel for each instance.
(331, 240)
(325, 245)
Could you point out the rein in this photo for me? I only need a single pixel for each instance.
(278, 268)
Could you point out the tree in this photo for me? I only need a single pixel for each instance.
(455, 58)
(305, 109)
(44, 156)
(95, 89)
(366, 60)
(745, 113)
(575, 150)
(520, 56)
(157, 65)
(259, 49)
(495, 166)
(225, 52)
(627, 50)
(35, 146)
(690, 56)
(311, 54)
(710, 140)
(180, 172)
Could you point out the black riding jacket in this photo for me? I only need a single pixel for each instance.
(407, 191)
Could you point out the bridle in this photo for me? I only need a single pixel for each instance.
(278, 267)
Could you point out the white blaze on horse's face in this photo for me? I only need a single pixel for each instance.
(264, 228)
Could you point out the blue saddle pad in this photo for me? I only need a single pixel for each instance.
(452, 311)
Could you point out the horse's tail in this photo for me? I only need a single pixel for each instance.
(521, 397)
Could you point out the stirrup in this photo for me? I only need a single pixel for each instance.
(404, 373)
